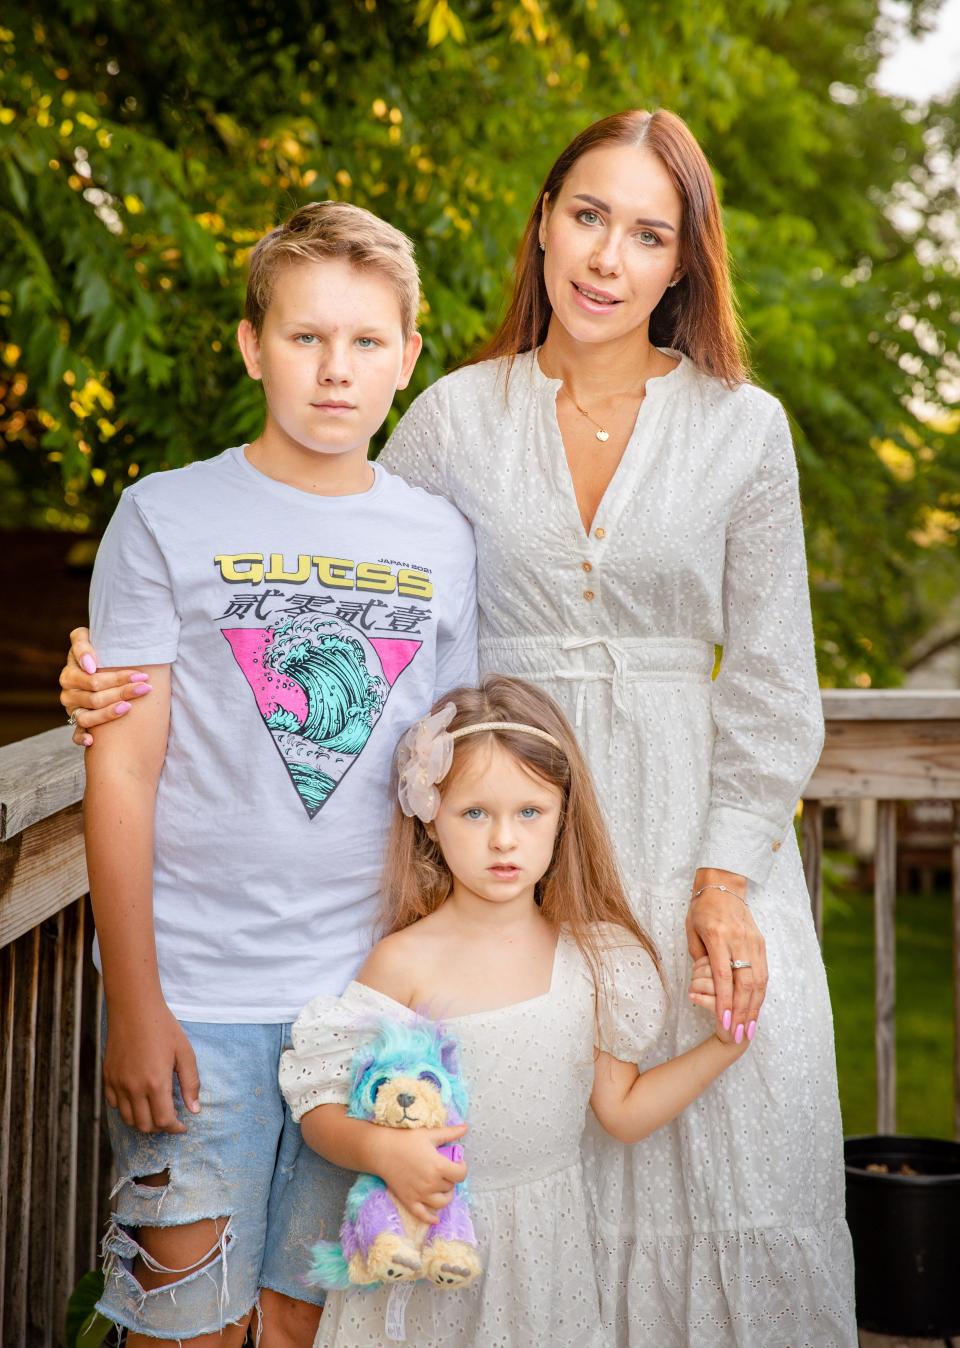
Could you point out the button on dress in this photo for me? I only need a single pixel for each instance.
(725, 1229)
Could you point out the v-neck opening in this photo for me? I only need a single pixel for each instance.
(611, 491)
(608, 489)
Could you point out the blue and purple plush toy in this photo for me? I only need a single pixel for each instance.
(406, 1077)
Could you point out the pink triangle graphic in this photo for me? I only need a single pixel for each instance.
(269, 688)
(315, 767)
(394, 655)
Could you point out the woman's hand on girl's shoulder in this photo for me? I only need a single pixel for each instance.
(95, 697)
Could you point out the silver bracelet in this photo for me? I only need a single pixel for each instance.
(724, 889)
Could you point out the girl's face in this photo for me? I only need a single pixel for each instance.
(497, 825)
(611, 242)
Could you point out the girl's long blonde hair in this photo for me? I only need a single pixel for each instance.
(582, 886)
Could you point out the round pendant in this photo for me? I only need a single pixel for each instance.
(603, 435)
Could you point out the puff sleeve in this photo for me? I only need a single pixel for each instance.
(633, 1000)
(765, 701)
(417, 449)
(318, 1069)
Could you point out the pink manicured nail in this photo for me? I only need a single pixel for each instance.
(751, 1030)
(139, 678)
(727, 1018)
(87, 741)
(88, 663)
(141, 689)
(120, 708)
(738, 1037)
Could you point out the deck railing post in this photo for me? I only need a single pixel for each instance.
(884, 913)
(20, 1177)
(955, 876)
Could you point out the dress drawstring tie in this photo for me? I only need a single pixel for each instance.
(617, 679)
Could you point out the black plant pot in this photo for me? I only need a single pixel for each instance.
(906, 1234)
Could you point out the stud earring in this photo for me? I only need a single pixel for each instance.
(543, 246)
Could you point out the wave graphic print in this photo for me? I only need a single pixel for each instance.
(320, 687)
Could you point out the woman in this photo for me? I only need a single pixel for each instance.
(635, 505)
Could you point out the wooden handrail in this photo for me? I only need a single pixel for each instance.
(888, 745)
(38, 777)
(42, 864)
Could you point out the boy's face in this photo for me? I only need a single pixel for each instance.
(331, 354)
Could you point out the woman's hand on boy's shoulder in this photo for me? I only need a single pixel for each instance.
(95, 696)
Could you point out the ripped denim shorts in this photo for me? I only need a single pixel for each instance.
(243, 1161)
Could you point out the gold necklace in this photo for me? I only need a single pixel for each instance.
(601, 433)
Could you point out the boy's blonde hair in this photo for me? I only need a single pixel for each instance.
(334, 229)
(582, 887)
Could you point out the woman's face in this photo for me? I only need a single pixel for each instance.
(611, 242)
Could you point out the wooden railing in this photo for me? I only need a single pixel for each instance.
(54, 1164)
(888, 746)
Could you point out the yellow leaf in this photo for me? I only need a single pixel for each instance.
(897, 460)
(457, 30)
(438, 27)
(537, 25)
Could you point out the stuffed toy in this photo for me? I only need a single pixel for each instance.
(406, 1077)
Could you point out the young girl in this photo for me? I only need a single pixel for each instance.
(506, 918)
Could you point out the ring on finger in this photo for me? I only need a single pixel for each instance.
(72, 718)
(740, 964)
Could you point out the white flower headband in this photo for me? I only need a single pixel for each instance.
(425, 753)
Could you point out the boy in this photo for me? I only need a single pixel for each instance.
(294, 608)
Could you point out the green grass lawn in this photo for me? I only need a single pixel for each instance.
(924, 1011)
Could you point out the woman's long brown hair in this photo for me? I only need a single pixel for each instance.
(582, 886)
(696, 316)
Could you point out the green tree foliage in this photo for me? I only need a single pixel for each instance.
(144, 148)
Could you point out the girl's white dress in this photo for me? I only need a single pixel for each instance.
(726, 1229)
(529, 1072)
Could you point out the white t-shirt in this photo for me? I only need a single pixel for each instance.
(305, 634)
